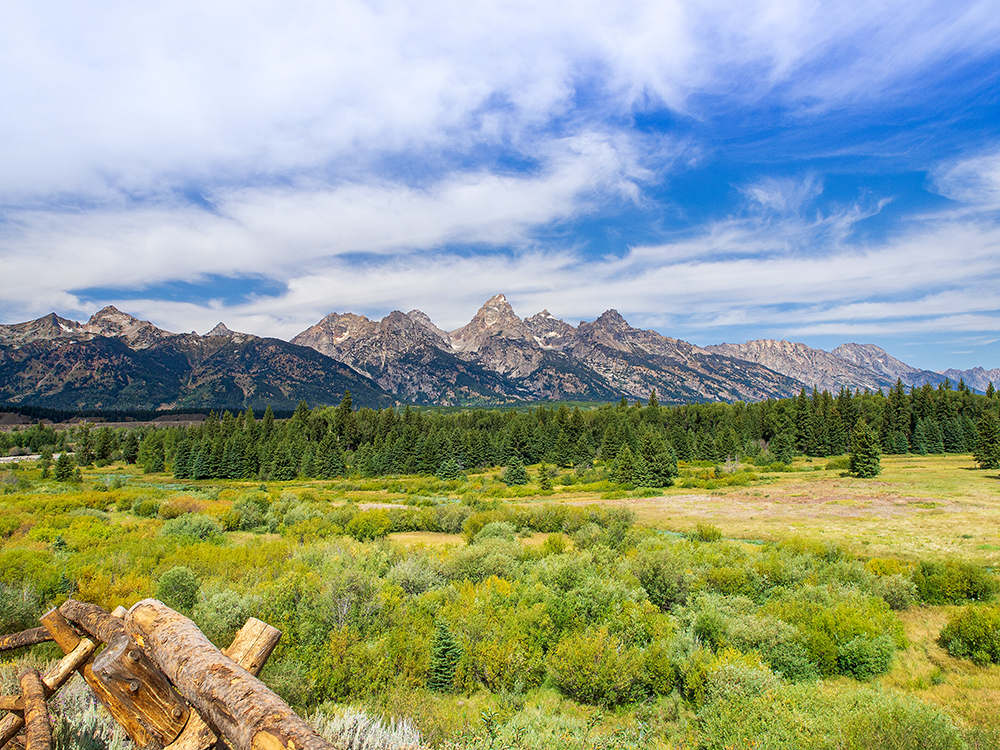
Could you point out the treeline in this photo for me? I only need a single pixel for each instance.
(638, 443)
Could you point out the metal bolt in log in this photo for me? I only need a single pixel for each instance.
(151, 723)
(38, 730)
(241, 707)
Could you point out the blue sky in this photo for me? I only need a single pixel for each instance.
(717, 171)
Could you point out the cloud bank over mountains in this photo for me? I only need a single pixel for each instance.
(717, 171)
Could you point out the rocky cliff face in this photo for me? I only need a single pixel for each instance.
(879, 361)
(540, 357)
(814, 367)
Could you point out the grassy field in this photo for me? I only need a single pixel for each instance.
(919, 508)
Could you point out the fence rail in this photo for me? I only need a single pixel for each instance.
(161, 679)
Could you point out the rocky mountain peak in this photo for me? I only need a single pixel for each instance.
(549, 331)
(612, 319)
(220, 330)
(495, 318)
(113, 323)
(422, 319)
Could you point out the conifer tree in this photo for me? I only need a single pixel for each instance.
(84, 448)
(544, 480)
(450, 469)
(782, 447)
(865, 461)
(515, 473)
(64, 468)
(987, 450)
(920, 438)
(623, 468)
(130, 448)
(445, 655)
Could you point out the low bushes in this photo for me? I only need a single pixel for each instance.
(954, 582)
(974, 633)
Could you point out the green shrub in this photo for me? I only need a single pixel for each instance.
(415, 575)
(20, 607)
(497, 530)
(492, 557)
(369, 524)
(705, 532)
(897, 590)
(193, 527)
(974, 633)
(664, 575)
(146, 508)
(954, 582)
(178, 589)
(875, 718)
(222, 612)
(726, 675)
(597, 668)
(864, 658)
(830, 617)
(778, 643)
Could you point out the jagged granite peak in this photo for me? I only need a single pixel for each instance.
(816, 368)
(407, 355)
(878, 360)
(977, 378)
(111, 322)
(220, 330)
(495, 318)
(421, 318)
(48, 327)
(549, 331)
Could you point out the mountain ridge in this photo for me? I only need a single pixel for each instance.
(115, 360)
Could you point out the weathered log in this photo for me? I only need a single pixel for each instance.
(250, 649)
(38, 730)
(67, 639)
(234, 702)
(24, 638)
(52, 681)
(129, 675)
(92, 619)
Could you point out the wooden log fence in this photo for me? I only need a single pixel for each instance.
(160, 678)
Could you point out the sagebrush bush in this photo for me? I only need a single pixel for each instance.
(146, 508)
(974, 633)
(221, 612)
(415, 574)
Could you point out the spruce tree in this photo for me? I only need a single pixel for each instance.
(84, 448)
(445, 654)
(623, 468)
(544, 480)
(865, 459)
(130, 449)
(782, 447)
(515, 474)
(64, 468)
(987, 450)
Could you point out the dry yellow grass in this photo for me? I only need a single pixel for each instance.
(919, 507)
(926, 670)
(427, 539)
